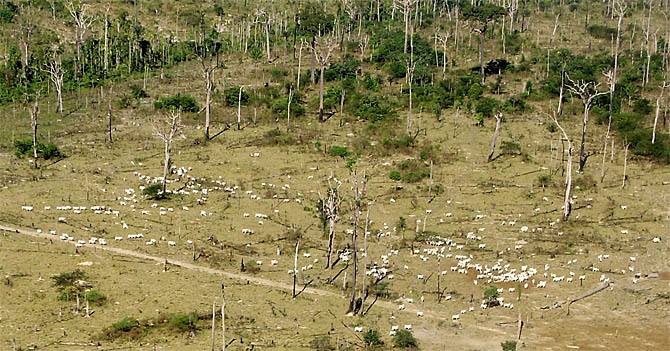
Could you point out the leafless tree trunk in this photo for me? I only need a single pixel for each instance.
(106, 52)
(356, 207)
(302, 42)
(363, 45)
(323, 52)
(587, 91)
(625, 164)
(82, 22)
(331, 209)
(658, 110)
(365, 262)
(295, 266)
(239, 109)
(499, 117)
(406, 7)
(166, 130)
(209, 65)
(567, 206)
(213, 325)
(109, 118)
(56, 74)
(34, 116)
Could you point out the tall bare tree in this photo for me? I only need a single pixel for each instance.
(587, 92)
(166, 130)
(78, 10)
(567, 206)
(56, 74)
(499, 118)
(406, 7)
(356, 206)
(34, 116)
(330, 207)
(323, 48)
(658, 110)
(209, 63)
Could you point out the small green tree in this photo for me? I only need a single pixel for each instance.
(372, 339)
(404, 339)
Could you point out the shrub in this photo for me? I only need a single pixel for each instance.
(601, 32)
(395, 175)
(125, 325)
(231, 96)
(544, 180)
(508, 345)
(95, 297)
(404, 339)
(184, 322)
(340, 151)
(124, 101)
(371, 338)
(643, 106)
(7, 12)
(64, 280)
(185, 103)
(137, 92)
(491, 293)
(510, 148)
(321, 343)
(487, 106)
(154, 191)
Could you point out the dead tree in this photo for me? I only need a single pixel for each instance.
(567, 206)
(499, 118)
(82, 22)
(56, 74)
(264, 18)
(611, 82)
(363, 45)
(406, 7)
(365, 262)
(359, 192)
(330, 207)
(411, 66)
(209, 63)
(323, 51)
(443, 39)
(34, 115)
(658, 110)
(587, 92)
(166, 130)
(295, 266)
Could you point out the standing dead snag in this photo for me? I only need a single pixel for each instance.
(209, 65)
(166, 131)
(295, 266)
(499, 117)
(330, 208)
(588, 92)
(323, 51)
(406, 7)
(56, 74)
(82, 22)
(658, 110)
(567, 207)
(34, 115)
(359, 191)
(363, 45)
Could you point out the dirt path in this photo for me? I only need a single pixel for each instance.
(240, 276)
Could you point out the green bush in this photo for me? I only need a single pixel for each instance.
(95, 297)
(544, 180)
(508, 345)
(510, 148)
(231, 96)
(601, 31)
(395, 175)
(124, 101)
(491, 293)
(183, 322)
(487, 106)
(64, 280)
(371, 338)
(404, 339)
(7, 12)
(125, 325)
(643, 106)
(340, 151)
(137, 92)
(154, 191)
(185, 103)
